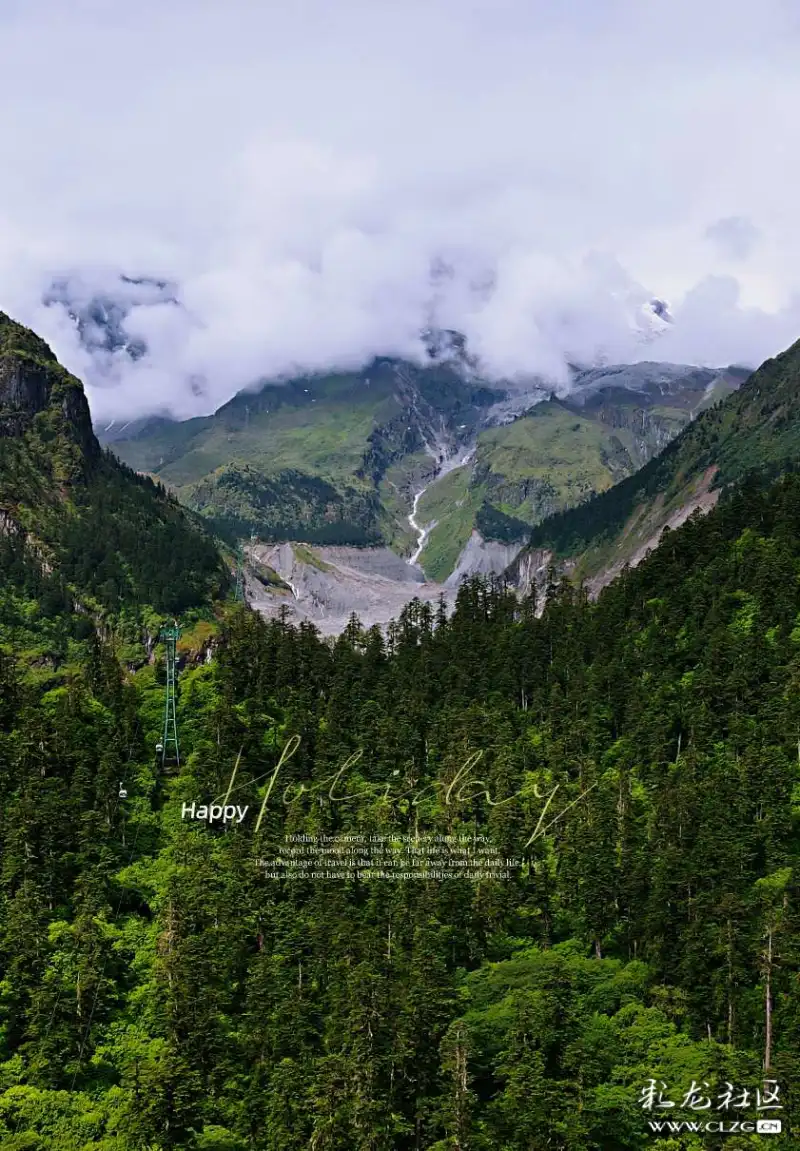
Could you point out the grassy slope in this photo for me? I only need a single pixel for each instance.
(313, 427)
(549, 460)
(323, 430)
(328, 440)
(755, 428)
(453, 504)
(250, 464)
(160, 442)
(284, 460)
(572, 454)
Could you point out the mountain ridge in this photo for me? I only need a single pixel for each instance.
(757, 428)
(34, 384)
(116, 538)
(347, 458)
(628, 936)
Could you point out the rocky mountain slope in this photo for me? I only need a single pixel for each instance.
(326, 585)
(755, 429)
(413, 457)
(545, 456)
(114, 538)
(325, 459)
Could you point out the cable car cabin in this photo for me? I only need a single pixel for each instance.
(169, 760)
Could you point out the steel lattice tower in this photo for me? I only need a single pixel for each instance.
(170, 637)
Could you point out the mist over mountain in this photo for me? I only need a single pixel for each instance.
(270, 194)
(104, 317)
(133, 337)
(172, 979)
(399, 576)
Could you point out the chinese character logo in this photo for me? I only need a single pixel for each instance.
(695, 1099)
(655, 1094)
(648, 1097)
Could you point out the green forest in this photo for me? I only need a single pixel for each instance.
(159, 990)
(399, 576)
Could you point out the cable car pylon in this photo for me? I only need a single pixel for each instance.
(169, 739)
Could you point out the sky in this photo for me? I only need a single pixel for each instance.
(315, 182)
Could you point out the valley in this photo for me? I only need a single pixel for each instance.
(430, 462)
(445, 464)
(662, 712)
(399, 577)
(326, 585)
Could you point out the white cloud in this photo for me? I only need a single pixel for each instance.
(297, 170)
(734, 236)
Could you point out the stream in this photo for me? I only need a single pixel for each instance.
(449, 464)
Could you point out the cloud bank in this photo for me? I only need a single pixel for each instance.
(300, 187)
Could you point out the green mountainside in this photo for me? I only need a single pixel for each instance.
(338, 458)
(170, 983)
(74, 521)
(306, 459)
(757, 428)
(621, 775)
(558, 455)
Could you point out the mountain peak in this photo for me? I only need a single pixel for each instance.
(18, 340)
(446, 346)
(34, 385)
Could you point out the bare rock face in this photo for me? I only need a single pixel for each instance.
(326, 585)
(32, 382)
(23, 385)
(483, 557)
(24, 391)
(529, 572)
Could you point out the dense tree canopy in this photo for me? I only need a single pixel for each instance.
(158, 990)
